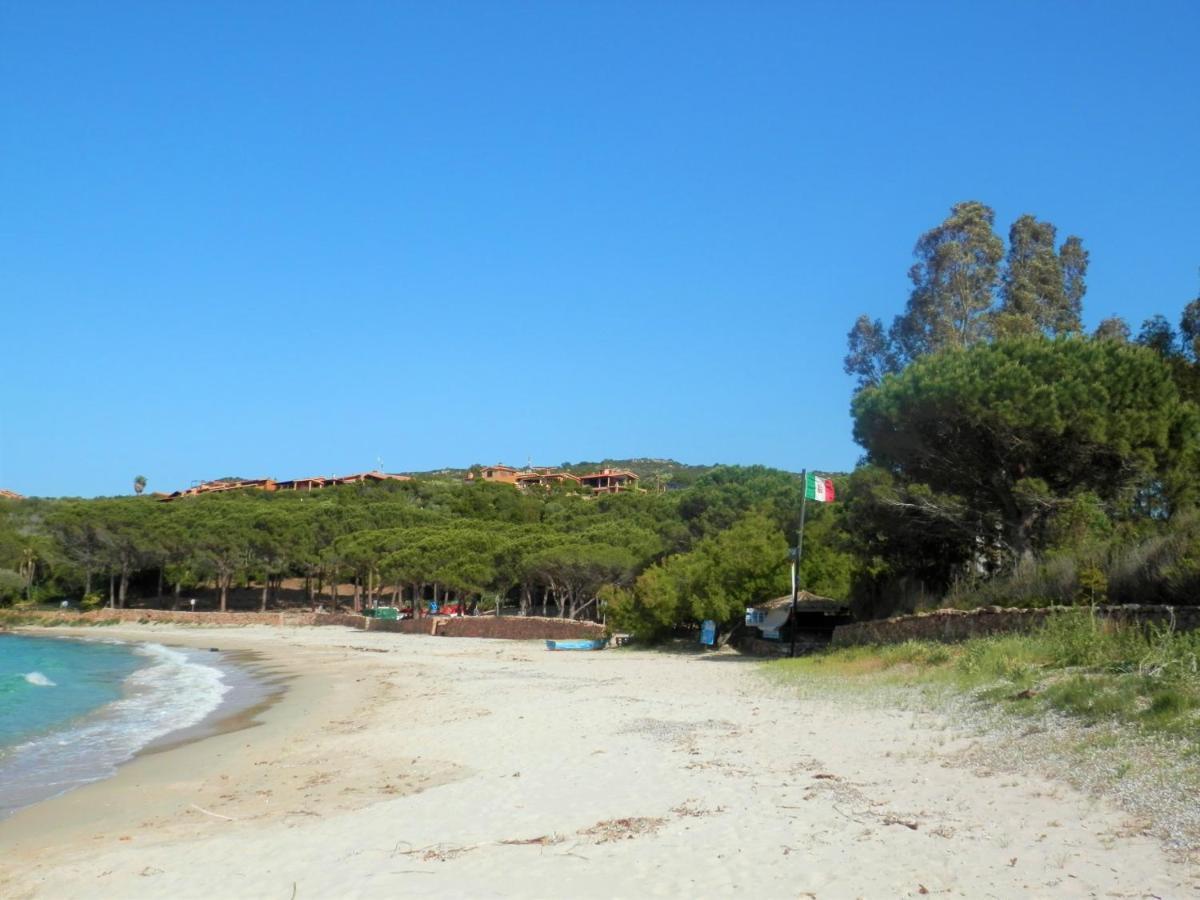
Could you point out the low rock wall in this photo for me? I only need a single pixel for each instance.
(172, 617)
(951, 625)
(518, 628)
(509, 627)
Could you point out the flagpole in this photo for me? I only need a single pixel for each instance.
(797, 559)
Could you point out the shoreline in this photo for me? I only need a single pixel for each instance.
(253, 687)
(258, 686)
(193, 751)
(397, 765)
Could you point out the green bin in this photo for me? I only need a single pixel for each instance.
(387, 612)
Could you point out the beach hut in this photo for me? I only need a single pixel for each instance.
(816, 617)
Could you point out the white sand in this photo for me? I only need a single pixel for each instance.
(447, 767)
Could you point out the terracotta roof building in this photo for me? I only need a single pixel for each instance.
(302, 484)
(499, 473)
(363, 477)
(313, 483)
(610, 481)
(606, 481)
(544, 477)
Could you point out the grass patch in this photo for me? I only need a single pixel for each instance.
(1084, 667)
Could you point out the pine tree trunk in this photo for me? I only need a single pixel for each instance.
(224, 582)
(112, 591)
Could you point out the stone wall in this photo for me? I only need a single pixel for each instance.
(959, 625)
(172, 617)
(518, 628)
(509, 627)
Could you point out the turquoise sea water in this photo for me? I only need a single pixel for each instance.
(71, 711)
(45, 683)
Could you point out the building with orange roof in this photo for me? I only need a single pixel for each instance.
(361, 477)
(545, 477)
(610, 481)
(313, 483)
(606, 481)
(498, 473)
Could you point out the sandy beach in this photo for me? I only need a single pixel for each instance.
(398, 765)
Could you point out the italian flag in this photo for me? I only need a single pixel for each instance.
(818, 488)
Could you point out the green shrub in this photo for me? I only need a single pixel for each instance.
(1093, 585)
(12, 586)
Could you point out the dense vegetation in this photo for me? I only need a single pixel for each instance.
(560, 552)
(1009, 458)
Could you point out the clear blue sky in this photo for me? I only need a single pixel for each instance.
(283, 239)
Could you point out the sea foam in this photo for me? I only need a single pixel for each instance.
(172, 693)
(39, 679)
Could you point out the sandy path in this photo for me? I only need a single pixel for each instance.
(475, 768)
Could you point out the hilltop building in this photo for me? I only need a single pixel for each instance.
(610, 481)
(545, 477)
(497, 473)
(606, 481)
(313, 483)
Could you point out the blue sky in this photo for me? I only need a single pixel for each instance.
(287, 239)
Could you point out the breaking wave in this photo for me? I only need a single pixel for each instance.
(171, 693)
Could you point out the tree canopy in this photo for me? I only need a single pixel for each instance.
(433, 538)
(1000, 433)
(967, 289)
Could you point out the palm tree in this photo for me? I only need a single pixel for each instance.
(139, 484)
